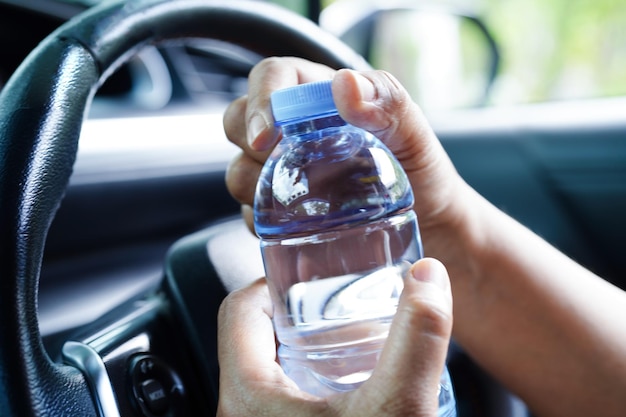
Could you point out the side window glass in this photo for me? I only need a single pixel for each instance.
(472, 53)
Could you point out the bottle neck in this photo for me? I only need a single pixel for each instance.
(305, 126)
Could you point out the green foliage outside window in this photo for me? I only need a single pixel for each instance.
(554, 49)
(559, 49)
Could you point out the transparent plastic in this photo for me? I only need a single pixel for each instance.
(334, 211)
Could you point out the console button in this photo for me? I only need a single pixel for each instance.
(155, 396)
(155, 387)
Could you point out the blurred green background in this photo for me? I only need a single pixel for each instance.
(558, 49)
(550, 49)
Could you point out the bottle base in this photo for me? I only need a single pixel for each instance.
(330, 371)
(342, 371)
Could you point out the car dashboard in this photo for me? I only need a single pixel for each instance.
(148, 186)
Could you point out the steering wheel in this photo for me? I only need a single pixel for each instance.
(42, 108)
(155, 355)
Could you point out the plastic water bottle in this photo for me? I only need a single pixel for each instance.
(333, 209)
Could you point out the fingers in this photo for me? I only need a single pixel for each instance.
(377, 102)
(406, 379)
(251, 381)
(249, 124)
(248, 121)
(248, 216)
(270, 75)
(236, 129)
(404, 383)
(372, 100)
(246, 337)
(242, 175)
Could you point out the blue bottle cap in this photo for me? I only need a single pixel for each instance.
(304, 101)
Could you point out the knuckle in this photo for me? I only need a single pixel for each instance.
(232, 119)
(241, 177)
(266, 65)
(432, 316)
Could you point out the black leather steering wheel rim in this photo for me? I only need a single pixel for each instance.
(42, 108)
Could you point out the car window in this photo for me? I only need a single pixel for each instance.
(559, 49)
(547, 49)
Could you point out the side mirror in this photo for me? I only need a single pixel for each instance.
(446, 58)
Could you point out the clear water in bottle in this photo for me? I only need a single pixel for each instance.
(333, 209)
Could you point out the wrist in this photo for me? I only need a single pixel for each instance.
(455, 234)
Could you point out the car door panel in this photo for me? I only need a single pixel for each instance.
(562, 176)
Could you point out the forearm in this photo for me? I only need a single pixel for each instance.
(548, 328)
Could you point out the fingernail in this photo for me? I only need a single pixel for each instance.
(255, 127)
(366, 88)
(430, 270)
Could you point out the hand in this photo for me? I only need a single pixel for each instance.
(518, 300)
(404, 383)
(374, 101)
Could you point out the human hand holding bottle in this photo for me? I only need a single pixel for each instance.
(512, 289)
(376, 102)
(405, 380)
(256, 144)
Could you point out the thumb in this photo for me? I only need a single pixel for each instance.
(377, 102)
(408, 373)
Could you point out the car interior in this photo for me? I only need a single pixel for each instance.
(119, 239)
